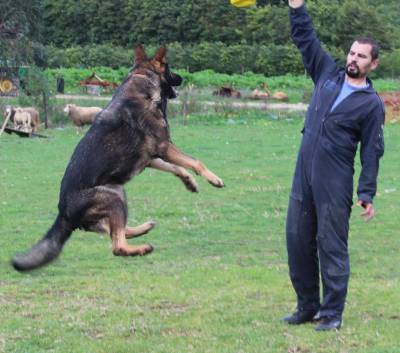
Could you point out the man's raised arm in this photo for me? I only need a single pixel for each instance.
(316, 61)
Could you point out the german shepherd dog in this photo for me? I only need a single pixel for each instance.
(130, 134)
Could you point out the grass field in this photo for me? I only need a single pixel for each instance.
(217, 280)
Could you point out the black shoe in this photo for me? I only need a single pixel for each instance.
(300, 317)
(329, 324)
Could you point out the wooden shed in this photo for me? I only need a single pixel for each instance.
(96, 85)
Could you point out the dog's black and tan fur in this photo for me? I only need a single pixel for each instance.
(130, 134)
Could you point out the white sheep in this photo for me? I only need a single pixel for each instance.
(35, 120)
(81, 115)
(34, 115)
(22, 120)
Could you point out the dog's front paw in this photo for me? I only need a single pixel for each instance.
(213, 179)
(190, 183)
(145, 249)
(217, 182)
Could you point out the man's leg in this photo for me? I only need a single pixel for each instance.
(301, 228)
(334, 258)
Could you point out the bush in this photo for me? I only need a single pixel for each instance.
(269, 60)
(36, 91)
(238, 58)
(389, 65)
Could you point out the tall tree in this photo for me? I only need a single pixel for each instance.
(354, 19)
(20, 23)
(268, 25)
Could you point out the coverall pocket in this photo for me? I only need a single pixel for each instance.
(294, 212)
(337, 150)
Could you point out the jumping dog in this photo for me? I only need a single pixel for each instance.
(130, 134)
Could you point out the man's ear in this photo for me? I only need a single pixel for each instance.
(140, 54)
(374, 64)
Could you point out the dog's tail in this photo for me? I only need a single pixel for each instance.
(46, 249)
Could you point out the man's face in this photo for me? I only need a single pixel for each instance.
(359, 61)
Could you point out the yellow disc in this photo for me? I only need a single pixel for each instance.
(6, 86)
(243, 3)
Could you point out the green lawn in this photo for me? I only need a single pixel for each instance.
(218, 278)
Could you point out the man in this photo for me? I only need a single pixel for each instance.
(344, 110)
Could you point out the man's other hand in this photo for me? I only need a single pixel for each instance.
(368, 212)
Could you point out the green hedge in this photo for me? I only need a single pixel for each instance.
(269, 60)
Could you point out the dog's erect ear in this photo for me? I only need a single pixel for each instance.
(160, 55)
(140, 54)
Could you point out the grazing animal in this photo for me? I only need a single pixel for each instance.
(282, 96)
(22, 120)
(130, 134)
(258, 94)
(226, 91)
(34, 116)
(81, 115)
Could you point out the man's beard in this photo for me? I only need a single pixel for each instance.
(353, 71)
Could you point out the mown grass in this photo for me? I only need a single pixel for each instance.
(217, 280)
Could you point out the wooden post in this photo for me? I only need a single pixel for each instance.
(5, 123)
(46, 123)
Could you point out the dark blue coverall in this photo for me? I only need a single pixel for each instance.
(320, 203)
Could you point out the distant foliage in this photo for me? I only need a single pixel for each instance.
(123, 22)
(201, 35)
(389, 64)
(37, 91)
(20, 23)
(88, 56)
(269, 60)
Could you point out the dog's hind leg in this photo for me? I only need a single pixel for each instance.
(121, 248)
(108, 213)
(132, 232)
(180, 172)
(175, 156)
(117, 216)
(103, 226)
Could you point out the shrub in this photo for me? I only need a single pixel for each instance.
(267, 59)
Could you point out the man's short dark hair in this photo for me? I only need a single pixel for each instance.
(374, 46)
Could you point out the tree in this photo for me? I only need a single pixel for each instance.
(268, 25)
(20, 23)
(37, 91)
(354, 19)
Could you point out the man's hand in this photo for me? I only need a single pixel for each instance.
(296, 3)
(368, 212)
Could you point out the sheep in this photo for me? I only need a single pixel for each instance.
(282, 96)
(35, 120)
(258, 94)
(22, 120)
(81, 115)
(34, 115)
